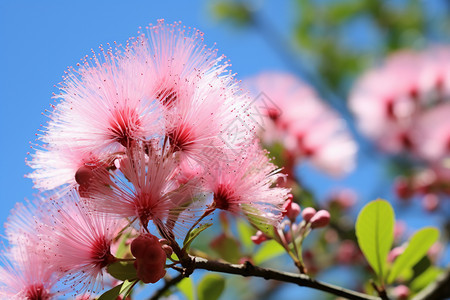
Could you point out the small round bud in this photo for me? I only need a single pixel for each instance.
(83, 175)
(320, 219)
(394, 253)
(150, 258)
(259, 237)
(308, 213)
(168, 250)
(401, 292)
(430, 202)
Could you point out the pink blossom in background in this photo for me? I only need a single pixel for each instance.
(388, 100)
(293, 114)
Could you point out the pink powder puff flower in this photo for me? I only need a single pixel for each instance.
(103, 106)
(244, 184)
(201, 97)
(294, 115)
(145, 187)
(79, 241)
(26, 274)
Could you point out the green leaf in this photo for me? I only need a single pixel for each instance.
(375, 233)
(123, 248)
(254, 217)
(211, 287)
(122, 270)
(112, 294)
(127, 287)
(417, 247)
(424, 279)
(227, 247)
(193, 234)
(245, 234)
(186, 287)
(268, 250)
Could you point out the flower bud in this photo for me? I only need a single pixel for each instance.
(320, 219)
(292, 209)
(259, 237)
(401, 292)
(308, 213)
(150, 258)
(395, 253)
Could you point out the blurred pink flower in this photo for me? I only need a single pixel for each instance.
(387, 108)
(291, 113)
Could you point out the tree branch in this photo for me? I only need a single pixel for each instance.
(438, 289)
(247, 269)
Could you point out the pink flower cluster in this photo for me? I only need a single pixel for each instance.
(291, 113)
(402, 104)
(144, 137)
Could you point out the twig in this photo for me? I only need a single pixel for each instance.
(438, 289)
(247, 269)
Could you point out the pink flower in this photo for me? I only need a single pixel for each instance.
(145, 187)
(293, 114)
(79, 242)
(26, 274)
(245, 185)
(387, 108)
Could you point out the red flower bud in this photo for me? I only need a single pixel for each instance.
(320, 219)
(308, 213)
(259, 237)
(150, 258)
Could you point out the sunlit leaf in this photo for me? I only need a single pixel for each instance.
(210, 287)
(417, 247)
(375, 233)
(425, 278)
(186, 287)
(193, 234)
(268, 250)
(122, 270)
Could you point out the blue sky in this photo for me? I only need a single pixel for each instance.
(40, 39)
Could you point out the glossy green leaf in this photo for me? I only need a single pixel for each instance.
(417, 247)
(211, 287)
(112, 294)
(123, 248)
(186, 287)
(268, 250)
(375, 233)
(122, 270)
(193, 234)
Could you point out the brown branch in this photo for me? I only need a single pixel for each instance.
(247, 269)
(438, 289)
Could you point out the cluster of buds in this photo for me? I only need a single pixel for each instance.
(291, 233)
(430, 184)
